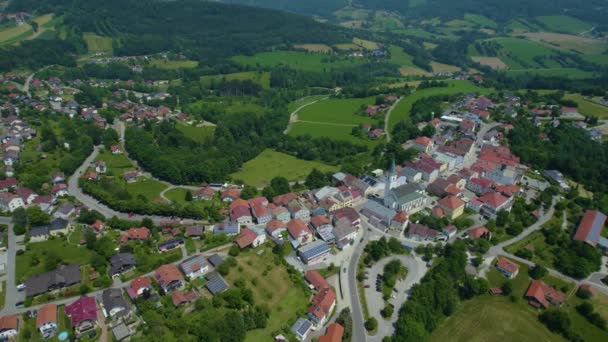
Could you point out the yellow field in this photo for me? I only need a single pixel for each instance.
(493, 62)
(568, 42)
(413, 71)
(440, 67)
(352, 24)
(16, 34)
(366, 44)
(321, 48)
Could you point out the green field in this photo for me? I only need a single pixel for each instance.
(149, 188)
(420, 33)
(399, 57)
(520, 53)
(172, 65)
(96, 43)
(298, 60)
(588, 108)
(561, 72)
(337, 111)
(480, 20)
(598, 59)
(543, 253)
(402, 111)
(117, 164)
(563, 23)
(303, 101)
(272, 287)
(269, 164)
(199, 134)
(260, 77)
(316, 130)
(32, 262)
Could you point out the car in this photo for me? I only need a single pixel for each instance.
(20, 287)
(19, 304)
(361, 240)
(394, 290)
(366, 286)
(344, 270)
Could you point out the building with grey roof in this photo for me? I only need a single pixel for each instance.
(377, 214)
(301, 328)
(216, 283)
(114, 304)
(194, 266)
(121, 262)
(63, 276)
(314, 252)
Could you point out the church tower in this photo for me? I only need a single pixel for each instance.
(390, 182)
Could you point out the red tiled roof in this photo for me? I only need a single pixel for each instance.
(83, 309)
(245, 238)
(166, 274)
(316, 279)
(590, 228)
(400, 217)
(140, 282)
(333, 333)
(274, 225)
(9, 322)
(451, 202)
(425, 141)
(239, 212)
(238, 203)
(297, 228)
(541, 292)
(178, 297)
(98, 225)
(493, 199)
(482, 182)
(507, 265)
(231, 193)
(322, 303)
(46, 314)
(141, 233)
(477, 232)
(319, 220)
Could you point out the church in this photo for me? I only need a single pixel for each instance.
(409, 198)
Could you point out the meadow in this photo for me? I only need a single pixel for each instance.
(96, 43)
(520, 53)
(117, 164)
(319, 48)
(563, 23)
(399, 57)
(480, 20)
(146, 187)
(269, 164)
(260, 77)
(587, 107)
(568, 42)
(172, 65)
(338, 111)
(199, 134)
(562, 72)
(313, 62)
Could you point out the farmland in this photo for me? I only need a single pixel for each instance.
(320, 48)
(97, 43)
(338, 111)
(260, 77)
(568, 42)
(399, 57)
(587, 107)
(172, 65)
(413, 71)
(199, 134)
(298, 60)
(269, 164)
(563, 23)
(563, 72)
(480, 20)
(520, 54)
(492, 62)
(14, 34)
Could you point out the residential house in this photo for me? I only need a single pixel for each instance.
(349, 213)
(97, 227)
(9, 326)
(58, 178)
(168, 277)
(65, 211)
(300, 232)
(423, 144)
(377, 214)
(10, 202)
(320, 223)
(284, 200)
(316, 280)
(114, 304)
(8, 184)
(180, 298)
(322, 305)
(261, 213)
(116, 149)
(170, 244)
(344, 233)
(494, 202)
(195, 232)
(63, 276)
(46, 320)
(540, 295)
(275, 228)
(231, 194)
(281, 214)
(138, 234)
(299, 211)
(438, 187)
(410, 198)
(216, 283)
(314, 252)
(121, 262)
(507, 267)
(301, 328)
(420, 232)
(83, 314)
(590, 228)
(452, 206)
(228, 228)
(45, 203)
(241, 215)
(449, 231)
(194, 266)
(400, 221)
(333, 333)
(130, 176)
(60, 190)
(475, 204)
(479, 232)
(479, 185)
(138, 286)
(504, 174)
(205, 193)
(100, 167)
(249, 237)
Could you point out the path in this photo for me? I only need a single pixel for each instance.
(293, 116)
(388, 118)
(326, 123)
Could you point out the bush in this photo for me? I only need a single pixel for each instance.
(583, 294)
(19, 229)
(537, 272)
(387, 312)
(371, 324)
(234, 250)
(507, 288)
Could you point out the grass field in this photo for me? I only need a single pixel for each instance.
(493, 62)
(543, 253)
(269, 164)
(399, 57)
(298, 60)
(441, 67)
(401, 112)
(303, 101)
(563, 23)
(480, 20)
(172, 65)
(117, 164)
(588, 108)
(97, 43)
(260, 77)
(598, 59)
(413, 71)
(32, 262)
(347, 46)
(271, 287)
(420, 33)
(149, 188)
(339, 111)
(316, 130)
(520, 53)
(561, 72)
(198, 134)
(568, 42)
(320, 48)
(366, 44)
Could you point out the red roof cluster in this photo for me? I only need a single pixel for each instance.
(541, 294)
(322, 303)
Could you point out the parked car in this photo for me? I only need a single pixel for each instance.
(20, 287)
(366, 286)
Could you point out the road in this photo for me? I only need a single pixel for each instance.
(11, 294)
(387, 119)
(293, 115)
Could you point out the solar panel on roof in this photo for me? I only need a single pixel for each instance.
(215, 283)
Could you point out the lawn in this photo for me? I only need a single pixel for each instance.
(199, 134)
(568, 42)
(401, 112)
(298, 60)
(563, 23)
(149, 188)
(269, 164)
(320, 48)
(32, 261)
(96, 43)
(260, 77)
(542, 251)
(303, 101)
(399, 57)
(117, 164)
(271, 287)
(337, 111)
(333, 132)
(172, 65)
(588, 108)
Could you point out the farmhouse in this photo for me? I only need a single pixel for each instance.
(590, 229)
(540, 295)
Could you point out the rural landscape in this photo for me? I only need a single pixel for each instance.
(303, 170)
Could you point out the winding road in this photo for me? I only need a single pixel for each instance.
(387, 119)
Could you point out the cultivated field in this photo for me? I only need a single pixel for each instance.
(260, 77)
(399, 57)
(587, 107)
(563, 23)
(568, 42)
(561, 72)
(298, 60)
(413, 71)
(269, 164)
(366, 44)
(172, 65)
(480, 20)
(493, 62)
(441, 67)
(320, 48)
(521, 53)
(347, 46)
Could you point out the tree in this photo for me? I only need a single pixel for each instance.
(234, 250)
(371, 324)
(507, 288)
(249, 192)
(316, 179)
(37, 217)
(280, 185)
(387, 311)
(188, 197)
(537, 272)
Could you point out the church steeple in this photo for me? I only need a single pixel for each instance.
(390, 182)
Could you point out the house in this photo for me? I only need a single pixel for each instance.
(479, 185)
(299, 211)
(410, 198)
(349, 213)
(114, 304)
(314, 252)
(216, 283)
(275, 228)
(228, 228)
(261, 213)
(45, 203)
(138, 286)
(494, 202)
(8, 184)
(195, 232)
(539, 295)
(300, 232)
(449, 231)
(58, 178)
(452, 206)
(474, 204)
(241, 215)
(138, 234)
(100, 167)
(205, 193)
(63, 276)
(83, 314)
(121, 262)
(590, 229)
(9, 326)
(420, 232)
(248, 237)
(97, 227)
(231, 194)
(10, 202)
(46, 320)
(215, 260)
(168, 277)
(281, 214)
(60, 190)
(65, 211)
(479, 232)
(316, 280)
(507, 267)
(170, 244)
(301, 328)
(377, 214)
(116, 149)
(285, 199)
(344, 232)
(130, 176)
(333, 333)
(180, 298)
(423, 144)
(121, 331)
(320, 222)
(37, 234)
(323, 303)
(194, 266)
